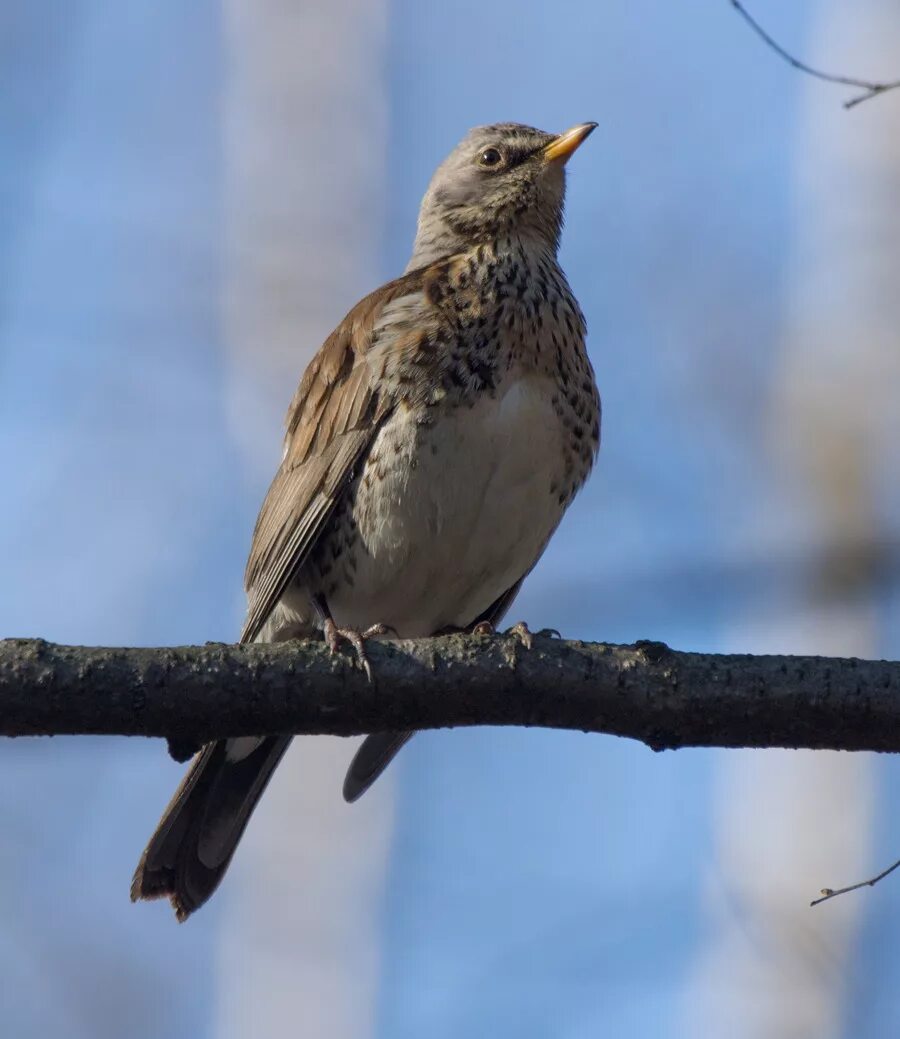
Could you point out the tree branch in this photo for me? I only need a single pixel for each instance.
(646, 692)
(871, 89)
(827, 893)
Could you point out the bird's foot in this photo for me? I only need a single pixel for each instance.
(523, 633)
(483, 628)
(526, 636)
(334, 636)
(521, 630)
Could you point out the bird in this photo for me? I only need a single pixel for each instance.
(433, 445)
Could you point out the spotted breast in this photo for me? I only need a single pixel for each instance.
(495, 430)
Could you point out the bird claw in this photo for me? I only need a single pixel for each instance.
(484, 628)
(526, 636)
(357, 639)
(523, 633)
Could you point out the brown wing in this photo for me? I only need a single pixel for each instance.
(332, 419)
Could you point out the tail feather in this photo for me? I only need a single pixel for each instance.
(190, 851)
(375, 753)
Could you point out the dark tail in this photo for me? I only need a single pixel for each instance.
(375, 753)
(188, 854)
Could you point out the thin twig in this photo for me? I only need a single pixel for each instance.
(828, 892)
(871, 89)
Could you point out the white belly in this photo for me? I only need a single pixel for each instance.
(456, 512)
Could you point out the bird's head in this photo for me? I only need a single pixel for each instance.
(501, 179)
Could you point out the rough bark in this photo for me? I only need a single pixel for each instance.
(648, 692)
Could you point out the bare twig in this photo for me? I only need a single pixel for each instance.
(828, 892)
(871, 88)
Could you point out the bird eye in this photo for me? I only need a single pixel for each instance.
(490, 157)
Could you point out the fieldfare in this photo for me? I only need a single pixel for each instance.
(433, 445)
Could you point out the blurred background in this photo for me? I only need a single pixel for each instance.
(191, 196)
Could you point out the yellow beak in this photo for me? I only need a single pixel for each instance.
(562, 147)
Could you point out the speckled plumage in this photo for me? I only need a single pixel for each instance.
(431, 450)
(493, 429)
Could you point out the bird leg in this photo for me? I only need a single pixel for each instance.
(357, 639)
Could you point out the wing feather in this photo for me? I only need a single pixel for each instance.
(335, 413)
